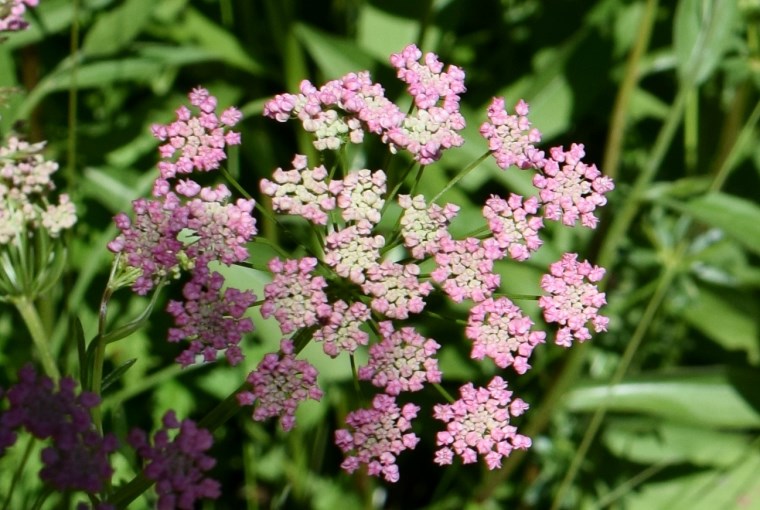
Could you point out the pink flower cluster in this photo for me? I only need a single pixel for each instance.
(378, 436)
(569, 189)
(279, 384)
(186, 226)
(342, 109)
(12, 14)
(573, 299)
(360, 263)
(178, 465)
(77, 459)
(479, 424)
(500, 331)
(376, 290)
(434, 126)
(403, 361)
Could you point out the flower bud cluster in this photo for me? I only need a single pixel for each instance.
(186, 226)
(25, 185)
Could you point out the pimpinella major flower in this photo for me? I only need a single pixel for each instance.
(377, 436)
(178, 464)
(478, 424)
(77, 457)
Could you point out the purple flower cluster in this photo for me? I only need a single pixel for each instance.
(186, 226)
(77, 458)
(12, 14)
(178, 465)
(279, 384)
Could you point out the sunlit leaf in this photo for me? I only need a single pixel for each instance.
(738, 217)
(116, 28)
(732, 325)
(712, 398)
(702, 33)
(334, 56)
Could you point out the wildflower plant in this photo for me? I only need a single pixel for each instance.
(378, 262)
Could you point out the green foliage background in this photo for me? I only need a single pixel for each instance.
(661, 412)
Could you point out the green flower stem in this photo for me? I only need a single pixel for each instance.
(624, 218)
(619, 119)
(33, 323)
(461, 175)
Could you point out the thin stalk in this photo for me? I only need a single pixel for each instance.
(19, 470)
(461, 175)
(618, 120)
(631, 483)
(623, 219)
(33, 323)
(71, 147)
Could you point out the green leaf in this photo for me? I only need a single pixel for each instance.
(736, 216)
(702, 33)
(396, 32)
(117, 373)
(96, 74)
(193, 27)
(335, 56)
(712, 398)
(115, 29)
(652, 441)
(730, 324)
(732, 488)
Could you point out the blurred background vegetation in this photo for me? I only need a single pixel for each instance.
(662, 412)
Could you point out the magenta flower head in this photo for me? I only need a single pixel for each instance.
(296, 296)
(478, 424)
(573, 299)
(212, 319)
(178, 465)
(279, 384)
(571, 190)
(511, 138)
(435, 124)
(195, 141)
(377, 436)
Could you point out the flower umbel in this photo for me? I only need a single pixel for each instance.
(479, 424)
(379, 435)
(279, 384)
(178, 465)
(573, 299)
